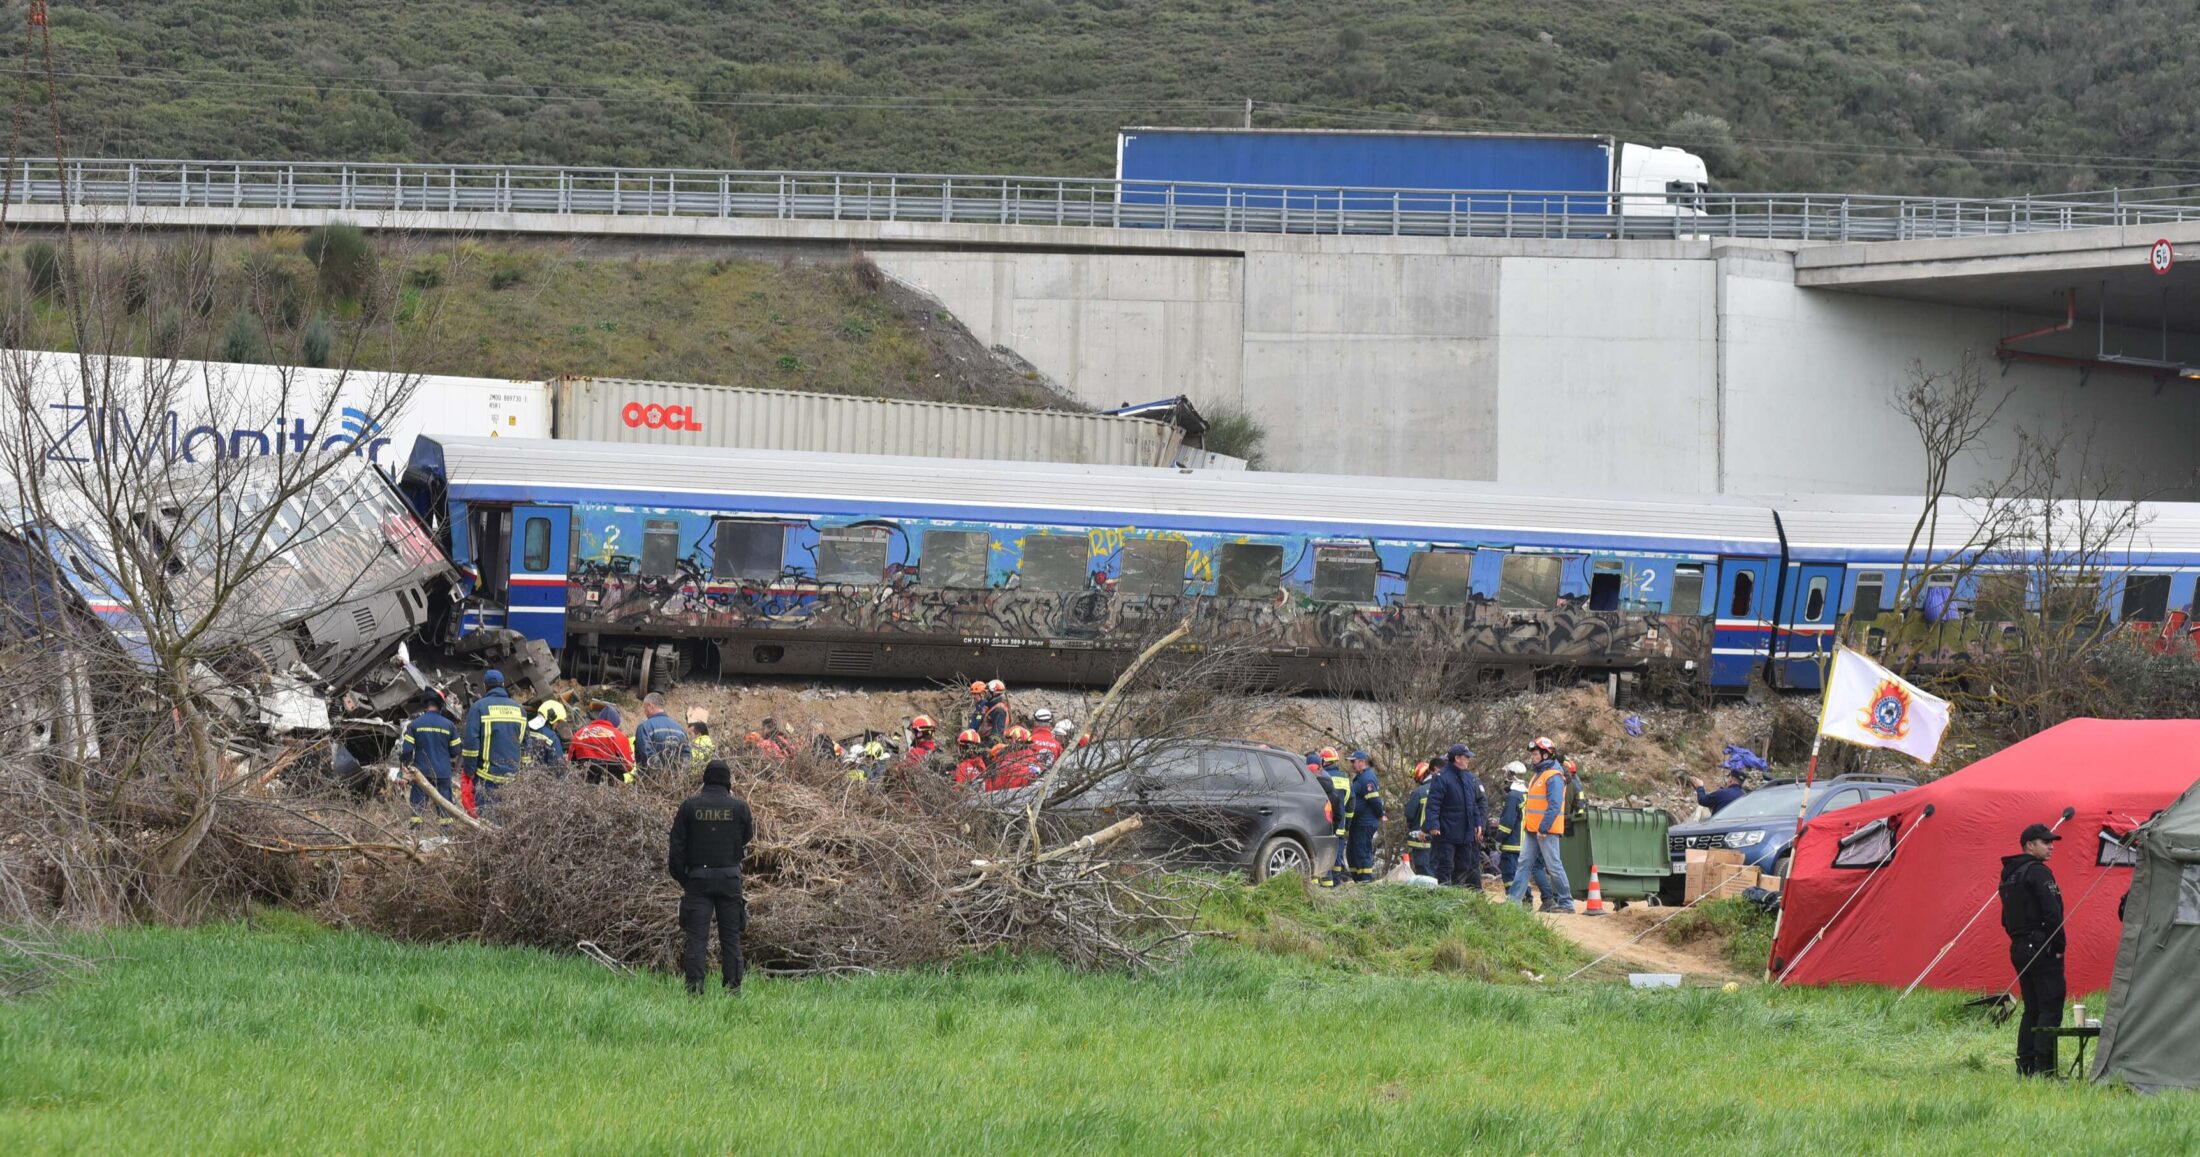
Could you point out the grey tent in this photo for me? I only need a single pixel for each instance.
(2150, 1035)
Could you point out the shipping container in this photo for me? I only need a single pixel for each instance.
(683, 414)
(201, 410)
(1324, 163)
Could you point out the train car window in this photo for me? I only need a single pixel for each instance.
(1871, 587)
(1745, 595)
(746, 550)
(2146, 598)
(1529, 581)
(852, 555)
(1344, 572)
(954, 558)
(1604, 587)
(535, 545)
(1056, 562)
(1152, 567)
(1814, 600)
(1248, 570)
(2000, 598)
(1687, 594)
(660, 546)
(1439, 578)
(2071, 600)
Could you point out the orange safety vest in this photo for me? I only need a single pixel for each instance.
(1537, 802)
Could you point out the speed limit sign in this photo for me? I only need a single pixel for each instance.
(2161, 256)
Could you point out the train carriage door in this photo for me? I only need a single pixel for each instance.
(1812, 609)
(540, 535)
(1741, 621)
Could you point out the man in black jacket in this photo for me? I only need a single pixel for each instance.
(710, 836)
(2032, 914)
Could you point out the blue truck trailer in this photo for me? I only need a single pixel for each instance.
(1425, 172)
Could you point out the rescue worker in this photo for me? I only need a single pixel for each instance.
(1542, 822)
(542, 746)
(1508, 822)
(1046, 745)
(1456, 804)
(493, 731)
(921, 743)
(1013, 761)
(701, 747)
(1338, 786)
(2032, 914)
(709, 839)
(1364, 817)
(1417, 842)
(996, 709)
(1712, 801)
(660, 743)
(1542, 751)
(970, 759)
(977, 707)
(602, 751)
(821, 744)
(428, 745)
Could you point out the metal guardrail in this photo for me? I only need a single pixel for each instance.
(1064, 201)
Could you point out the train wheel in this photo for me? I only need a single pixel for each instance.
(663, 667)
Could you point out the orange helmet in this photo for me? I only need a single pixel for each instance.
(996, 686)
(1543, 744)
(969, 738)
(996, 749)
(1420, 771)
(754, 737)
(1329, 755)
(921, 723)
(1020, 734)
(978, 688)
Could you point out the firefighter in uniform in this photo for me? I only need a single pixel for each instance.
(1338, 786)
(429, 743)
(970, 769)
(1363, 817)
(710, 837)
(2032, 914)
(1508, 821)
(1417, 844)
(494, 729)
(1456, 805)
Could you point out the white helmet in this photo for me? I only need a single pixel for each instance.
(1517, 769)
(1042, 715)
(1065, 729)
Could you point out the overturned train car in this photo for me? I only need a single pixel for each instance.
(640, 562)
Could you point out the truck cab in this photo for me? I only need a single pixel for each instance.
(1660, 182)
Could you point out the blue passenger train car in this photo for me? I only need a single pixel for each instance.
(641, 561)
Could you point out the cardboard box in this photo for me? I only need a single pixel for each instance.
(1727, 880)
(1769, 883)
(1717, 871)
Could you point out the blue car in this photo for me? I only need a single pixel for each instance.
(1761, 825)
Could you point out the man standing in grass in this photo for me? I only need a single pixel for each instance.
(2032, 914)
(710, 837)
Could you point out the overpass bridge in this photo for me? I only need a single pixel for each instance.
(1520, 336)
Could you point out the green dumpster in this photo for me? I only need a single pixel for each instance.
(1626, 844)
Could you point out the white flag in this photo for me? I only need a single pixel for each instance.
(1868, 705)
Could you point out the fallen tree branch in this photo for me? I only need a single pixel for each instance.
(327, 849)
(456, 811)
(1101, 838)
(1092, 724)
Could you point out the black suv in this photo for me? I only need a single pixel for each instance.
(1207, 804)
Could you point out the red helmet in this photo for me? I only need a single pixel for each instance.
(1543, 744)
(969, 738)
(978, 687)
(1329, 755)
(1020, 734)
(921, 723)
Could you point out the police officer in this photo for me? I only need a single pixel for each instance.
(1455, 801)
(2032, 914)
(1363, 817)
(494, 728)
(428, 745)
(1508, 821)
(1417, 841)
(710, 837)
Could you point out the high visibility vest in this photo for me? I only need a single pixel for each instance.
(1533, 807)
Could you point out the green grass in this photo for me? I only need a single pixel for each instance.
(1746, 929)
(1403, 931)
(292, 1039)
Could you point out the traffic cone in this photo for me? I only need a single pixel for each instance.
(1594, 906)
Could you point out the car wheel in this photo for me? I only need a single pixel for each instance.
(1782, 862)
(1279, 856)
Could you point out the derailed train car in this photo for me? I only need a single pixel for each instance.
(298, 591)
(638, 562)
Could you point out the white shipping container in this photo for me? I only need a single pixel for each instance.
(682, 414)
(223, 409)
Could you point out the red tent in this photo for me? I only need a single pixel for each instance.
(1885, 928)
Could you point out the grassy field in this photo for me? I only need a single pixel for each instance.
(281, 1037)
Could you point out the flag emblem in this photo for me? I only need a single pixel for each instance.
(1888, 715)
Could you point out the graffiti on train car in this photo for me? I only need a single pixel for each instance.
(1103, 618)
